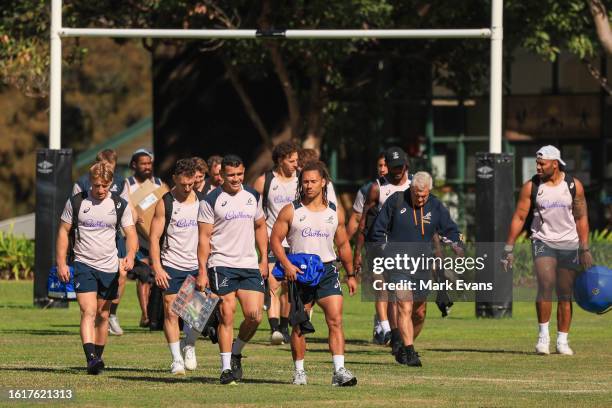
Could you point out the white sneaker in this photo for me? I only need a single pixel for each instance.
(189, 356)
(300, 378)
(277, 338)
(564, 348)
(343, 378)
(177, 368)
(543, 346)
(113, 326)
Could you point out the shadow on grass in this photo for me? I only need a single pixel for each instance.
(486, 351)
(40, 332)
(81, 369)
(190, 379)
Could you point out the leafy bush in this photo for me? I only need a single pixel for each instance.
(16, 256)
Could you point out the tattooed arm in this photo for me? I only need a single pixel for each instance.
(582, 225)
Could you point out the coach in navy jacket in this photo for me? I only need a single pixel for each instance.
(407, 222)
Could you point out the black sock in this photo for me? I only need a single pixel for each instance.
(113, 309)
(273, 324)
(395, 335)
(99, 350)
(410, 348)
(90, 351)
(284, 323)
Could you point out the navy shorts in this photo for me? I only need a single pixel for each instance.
(566, 258)
(142, 253)
(224, 280)
(414, 286)
(328, 286)
(177, 277)
(88, 279)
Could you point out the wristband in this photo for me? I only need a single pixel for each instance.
(350, 275)
(508, 248)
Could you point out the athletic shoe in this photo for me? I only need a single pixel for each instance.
(144, 322)
(543, 345)
(299, 377)
(408, 357)
(177, 368)
(564, 348)
(444, 308)
(94, 366)
(113, 326)
(343, 378)
(276, 338)
(387, 338)
(286, 335)
(378, 338)
(375, 333)
(236, 364)
(396, 346)
(189, 356)
(227, 378)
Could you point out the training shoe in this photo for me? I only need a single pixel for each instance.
(189, 356)
(543, 345)
(236, 364)
(276, 338)
(177, 368)
(413, 359)
(286, 335)
(343, 378)
(300, 378)
(144, 322)
(227, 378)
(378, 338)
(113, 326)
(396, 346)
(94, 366)
(387, 338)
(564, 348)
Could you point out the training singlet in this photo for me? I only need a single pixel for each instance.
(553, 219)
(280, 194)
(95, 245)
(387, 189)
(313, 232)
(181, 251)
(362, 195)
(232, 242)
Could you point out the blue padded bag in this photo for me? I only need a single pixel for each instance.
(310, 264)
(56, 289)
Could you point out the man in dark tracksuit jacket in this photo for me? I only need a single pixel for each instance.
(406, 224)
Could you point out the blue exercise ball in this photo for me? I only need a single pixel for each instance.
(593, 289)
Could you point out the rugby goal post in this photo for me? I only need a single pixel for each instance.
(493, 33)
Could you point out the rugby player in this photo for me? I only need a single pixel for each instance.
(96, 264)
(201, 168)
(230, 223)
(559, 241)
(312, 225)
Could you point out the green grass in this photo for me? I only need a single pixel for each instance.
(467, 362)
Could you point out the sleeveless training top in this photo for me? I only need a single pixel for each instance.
(313, 232)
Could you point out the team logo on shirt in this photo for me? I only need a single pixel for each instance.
(223, 203)
(427, 218)
(250, 201)
(113, 188)
(86, 210)
(302, 218)
(403, 210)
(274, 188)
(388, 192)
(330, 220)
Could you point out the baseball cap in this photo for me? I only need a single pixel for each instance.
(550, 152)
(395, 157)
(141, 152)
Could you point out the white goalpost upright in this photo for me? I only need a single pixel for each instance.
(494, 33)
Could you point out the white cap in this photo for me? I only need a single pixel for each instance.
(550, 153)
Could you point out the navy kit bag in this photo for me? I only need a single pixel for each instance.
(311, 266)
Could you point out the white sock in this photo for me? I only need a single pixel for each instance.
(191, 335)
(384, 324)
(561, 338)
(544, 329)
(226, 358)
(338, 360)
(299, 365)
(238, 346)
(175, 349)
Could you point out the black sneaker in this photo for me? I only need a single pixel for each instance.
(444, 307)
(286, 335)
(387, 338)
(379, 338)
(412, 359)
(396, 346)
(236, 364)
(401, 356)
(94, 366)
(227, 378)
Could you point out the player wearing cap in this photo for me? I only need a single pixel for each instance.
(560, 241)
(311, 225)
(173, 247)
(142, 165)
(231, 223)
(91, 219)
(397, 179)
(277, 188)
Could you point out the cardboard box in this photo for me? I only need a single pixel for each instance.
(144, 200)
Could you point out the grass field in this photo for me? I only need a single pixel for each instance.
(467, 362)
